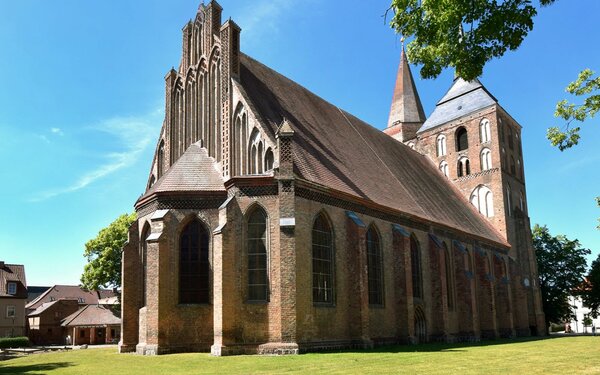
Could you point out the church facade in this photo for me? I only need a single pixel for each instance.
(274, 222)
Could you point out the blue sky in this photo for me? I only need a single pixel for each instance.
(83, 88)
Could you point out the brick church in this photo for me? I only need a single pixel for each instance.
(275, 222)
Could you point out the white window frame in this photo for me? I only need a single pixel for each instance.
(11, 311)
(441, 145)
(483, 200)
(486, 159)
(11, 288)
(484, 130)
(444, 168)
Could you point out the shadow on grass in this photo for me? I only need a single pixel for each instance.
(445, 347)
(30, 369)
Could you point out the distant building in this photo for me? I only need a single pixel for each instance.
(83, 297)
(34, 292)
(93, 324)
(45, 322)
(13, 296)
(581, 312)
(49, 313)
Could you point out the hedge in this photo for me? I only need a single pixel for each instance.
(14, 342)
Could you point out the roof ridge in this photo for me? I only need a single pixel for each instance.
(379, 158)
(74, 315)
(300, 86)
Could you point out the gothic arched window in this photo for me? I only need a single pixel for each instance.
(462, 141)
(444, 168)
(449, 277)
(415, 261)
(508, 200)
(486, 159)
(374, 267)
(193, 264)
(522, 202)
(441, 145)
(484, 130)
(463, 167)
(268, 159)
(160, 159)
(144, 260)
(322, 260)
(258, 278)
(483, 200)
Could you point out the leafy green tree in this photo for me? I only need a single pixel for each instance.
(103, 254)
(561, 266)
(588, 87)
(591, 294)
(462, 34)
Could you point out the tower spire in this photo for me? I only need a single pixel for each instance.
(406, 112)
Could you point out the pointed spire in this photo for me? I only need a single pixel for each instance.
(406, 105)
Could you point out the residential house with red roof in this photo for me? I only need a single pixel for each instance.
(13, 296)
(47, 313)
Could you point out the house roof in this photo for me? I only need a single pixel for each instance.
(336, 150)
(13, 273)
(406, 105)
(91, 315)
(43, 307)
(193, 171)
(461, 99)
(67, 292)
(34, 292)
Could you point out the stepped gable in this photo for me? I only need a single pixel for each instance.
(461, 99)
(334, 149)
(194, 171)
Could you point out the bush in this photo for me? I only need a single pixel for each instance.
(557, 327)
(14, 342)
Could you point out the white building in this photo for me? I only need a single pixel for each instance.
(581, 311)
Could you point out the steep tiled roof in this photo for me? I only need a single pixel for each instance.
(334, 149)
(43, 307)
(193, 171)
(13, 273)
(461, 99)
(34, 292)
(91, 315)
(66, 292)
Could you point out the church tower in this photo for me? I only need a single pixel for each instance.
(476, 144)
(406, 113)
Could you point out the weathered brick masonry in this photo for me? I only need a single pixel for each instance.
(273, 222)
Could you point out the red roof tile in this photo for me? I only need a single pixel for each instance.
(341, 152)
(13, 273)
(91, 315)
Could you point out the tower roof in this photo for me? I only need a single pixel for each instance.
(406, 105)
(463, 98)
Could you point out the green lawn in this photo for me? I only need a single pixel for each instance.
(568, 355)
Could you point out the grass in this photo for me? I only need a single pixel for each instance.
(565, 355)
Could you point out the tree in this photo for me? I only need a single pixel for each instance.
(462, 34)
(591, 295)
(561, 266)
(103, 254)
(585, 86)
